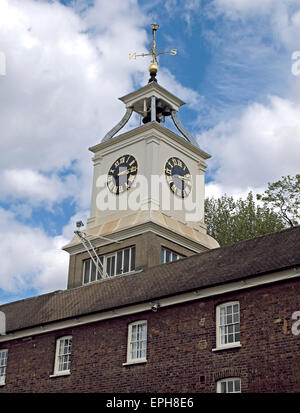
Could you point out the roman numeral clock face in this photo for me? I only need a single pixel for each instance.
(178, 177)
(122, 174)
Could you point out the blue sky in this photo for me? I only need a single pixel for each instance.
(67, 64)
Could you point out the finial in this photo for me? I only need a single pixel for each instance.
(153, 68)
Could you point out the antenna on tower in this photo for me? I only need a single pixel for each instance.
(83, 237)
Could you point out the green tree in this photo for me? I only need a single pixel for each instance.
(283, 197)
(230, 221)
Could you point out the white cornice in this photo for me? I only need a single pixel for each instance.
(152, 89)
(163, 302)
(151, 129)
(136, 230)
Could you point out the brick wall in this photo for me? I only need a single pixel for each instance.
(179, 353)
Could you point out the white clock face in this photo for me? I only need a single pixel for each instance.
(122, 174)
(178, 177)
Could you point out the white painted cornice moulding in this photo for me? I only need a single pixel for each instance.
(141, 229)
(151, 129)
(199, 294)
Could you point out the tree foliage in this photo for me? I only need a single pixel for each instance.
(283, 197)
(230, 221)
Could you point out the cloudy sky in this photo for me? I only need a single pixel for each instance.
(66, 64)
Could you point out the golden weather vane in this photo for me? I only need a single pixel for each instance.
(153, 68)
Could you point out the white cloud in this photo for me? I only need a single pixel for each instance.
(35, 187)
(63, 78)
(259, 147)
(29, 258)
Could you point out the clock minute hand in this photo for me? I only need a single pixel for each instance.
(182, 177)
(127, 171)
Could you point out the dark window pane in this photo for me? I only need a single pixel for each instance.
(223, 387)
(109, 266)
(119, 262)
(168, 256)
(174, 258)
(93, 272)
(126, 260)
(229, 319)
(230, 386)
(162, 256)
(87, 271)
(132, 265)
(113, 265)
(237, 385)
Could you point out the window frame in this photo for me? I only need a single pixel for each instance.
(219, 344)
(4, 366)
(227, 380)
(105, 257)
(138, 360)
(163, 255)
(58, 372)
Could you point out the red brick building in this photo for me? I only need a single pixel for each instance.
(181, 348)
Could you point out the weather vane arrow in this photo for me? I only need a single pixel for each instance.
(153, 68)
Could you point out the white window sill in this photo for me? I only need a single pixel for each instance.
(227, 346)
(139, 361)
(2, 384)
(62, 373)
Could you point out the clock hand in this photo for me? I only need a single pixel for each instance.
(182, 177)
(127, 171)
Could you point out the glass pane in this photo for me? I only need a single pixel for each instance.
(175, 257)
(235, 308)
(223, 336)
(93, 272)
(223, 387)
(229, 319)
(236, 318)
(133, 333)
(237, 385)
(132, 265)
(229, 309)
(126, 260)
(110, 266)
(230, 329)
(230, 338)
(168, 256)
(87, 264)
(133, 350)
(119, 262)
(100, 264)
(113, 265)
(230, 386)
(162, 256)
(222, 316)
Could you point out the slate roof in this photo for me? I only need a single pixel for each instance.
(258, 256)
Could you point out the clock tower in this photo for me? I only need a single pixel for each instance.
(147, 205)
